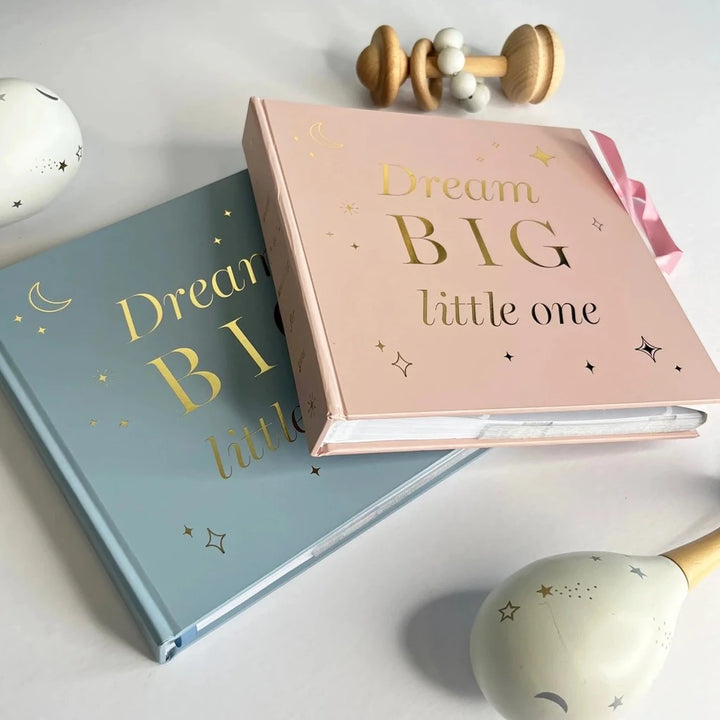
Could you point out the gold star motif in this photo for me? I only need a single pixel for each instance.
(93, 422)
(228, 213)
(41, 330)
(508, 612)
(295, 138)
(219, 544)
(350, 208)
(329, 234)
(380, 346)
(543, 157)
(124, 423)
(188, 530)
(597, 224)
(102, 378)
(354, 246)
(496, 145)
(62, 165)
(545, 591)
(648, 348)
(311, 154)
(401, 364)
(217, 241)
(315, 470)
(18, 318)
(480, 158)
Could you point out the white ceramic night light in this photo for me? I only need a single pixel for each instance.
(40, 148)
(581, 636)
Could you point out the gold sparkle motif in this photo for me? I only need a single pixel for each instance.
(228, 213)
(41, 330)
(542, 156)
(496, 145)
(380, 346)
(329, 233)
(295, 138)
(102, 376)
(217, 241)
(648, 348)
(124, 423)
(597, 224)
(350, 208)
(508, 612)
(354, 246)
(215, 540)
(18, 319)
(62, 165)
(545, 591)
(401, 364)
(315, 470)
(480, 158)
(93, 422)
(188, 531)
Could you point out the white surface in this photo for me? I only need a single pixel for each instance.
(380, 628)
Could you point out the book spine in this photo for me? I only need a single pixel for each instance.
(137, 593)
(312, 365)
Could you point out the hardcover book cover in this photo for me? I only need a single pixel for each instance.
(452, 280)
(149, 364)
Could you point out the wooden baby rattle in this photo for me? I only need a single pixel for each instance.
(580, 635)
(530, 66)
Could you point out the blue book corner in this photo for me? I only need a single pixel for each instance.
(147, 360)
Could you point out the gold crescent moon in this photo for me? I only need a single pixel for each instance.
(50, 306)
(316, 133)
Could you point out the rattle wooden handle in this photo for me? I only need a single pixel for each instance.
(698, 558)
(480, 66)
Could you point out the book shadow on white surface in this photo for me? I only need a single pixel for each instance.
(69, 543)
(436, 639)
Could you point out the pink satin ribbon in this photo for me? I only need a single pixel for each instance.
(632, 193)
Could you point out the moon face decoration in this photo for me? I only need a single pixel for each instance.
(40, 148)
(576, 636)
(40, 303)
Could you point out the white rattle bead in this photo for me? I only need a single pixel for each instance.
(450, 61)
(463, 85)
(448, 38)
(479, 99)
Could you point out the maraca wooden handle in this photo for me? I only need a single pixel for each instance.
(490, 66)
(698, 558)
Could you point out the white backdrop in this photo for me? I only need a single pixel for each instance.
(380, 628)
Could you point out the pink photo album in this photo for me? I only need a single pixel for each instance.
(453, 283)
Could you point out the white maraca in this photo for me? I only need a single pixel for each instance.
(582, 635)
(40, 148)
